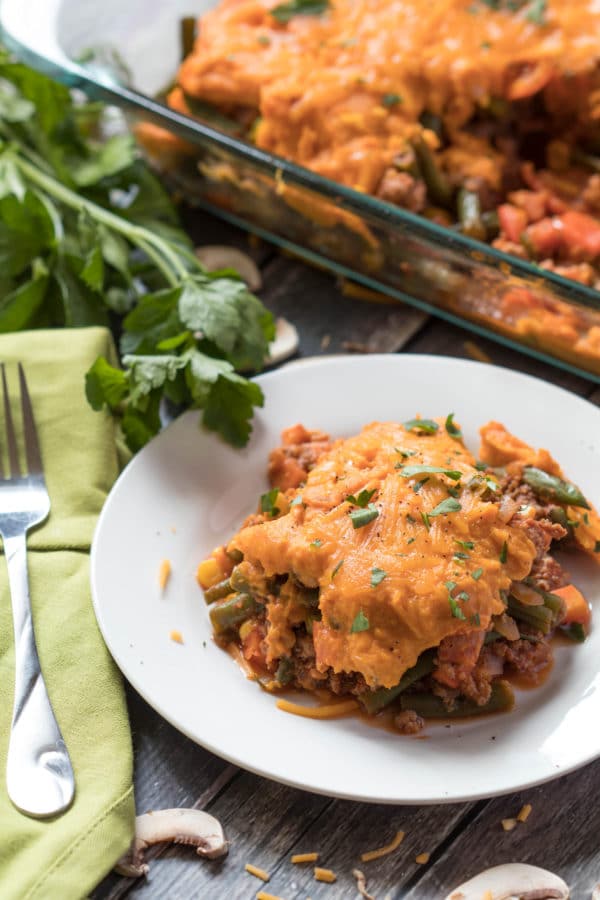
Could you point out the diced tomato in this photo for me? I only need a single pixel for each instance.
(519, 300)
(545, 237)
(251, 647)
(533, 202)
(577, 607)
(513, 221)
(581, 234)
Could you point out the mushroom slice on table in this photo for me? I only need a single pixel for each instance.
(175, 826)
(512, 881)
(217, 256)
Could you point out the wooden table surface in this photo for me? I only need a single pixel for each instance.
(267, 822)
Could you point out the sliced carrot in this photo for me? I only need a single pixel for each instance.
(577, 607)
(513, 221)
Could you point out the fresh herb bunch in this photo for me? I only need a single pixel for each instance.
(88, 236)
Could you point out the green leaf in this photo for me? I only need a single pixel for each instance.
(27, 229)
(107, 159)
(140, 424)
(450, 505)
(148, 373)
(225, 312)
(451, 428)
(18, 309)
(92, 272)
(316, 543)
(377, 576)
(410, 471)
(14, 108)
(360, 623)
(104, 384)
(362, 517)
(51, 100)
(504, 553)
(476, 575)
(391, 99)
(286, 11)
(230, 406)
(267, 502)
(115, 252)
(336, 569)
(468, 545)
(427, 426)
(362, 499)
(153, 320)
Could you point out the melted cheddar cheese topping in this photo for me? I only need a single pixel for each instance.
(421, 555)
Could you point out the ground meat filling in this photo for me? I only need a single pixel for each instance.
(465, 665)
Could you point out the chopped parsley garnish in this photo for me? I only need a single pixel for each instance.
(453, 491)
(536, 12)
(316, 543)
(411, 540)
(297, 501)
(586, 518)
(410, 519)
(337, 569)
(476, 575)
(286, 11)
(391, 99)
(361, 623)
(468, 545)
(451, 428)
(426, 521)
(475, 620)
(405, 453)
(597, 547)
(449, 505)
(361, 517)
(455, 608)
(377, 576)
(362, 499)
(419, 484)
(267, 502)
(409, 471)
(459, 555)
(504, 552)
(426, 425)
(462, 596)
(264, 40)
(481, 466)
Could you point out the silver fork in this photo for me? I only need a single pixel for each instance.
(39, 774)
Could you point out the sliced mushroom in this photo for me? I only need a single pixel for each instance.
(512, 881)
(178, 826)
(285, 343)
(217, 256)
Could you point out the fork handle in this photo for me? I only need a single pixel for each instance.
(39, 774)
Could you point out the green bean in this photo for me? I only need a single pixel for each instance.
(575, 631)
(285, 670)
(469, 214)
(228, 615)
(187, 26)
(552, 488)
(431, 707)
(539, 617)
(239, 583)
(438, 187)
(376, 700)
(235, 555)
(218, 591)
(492, 223)
(558, 515)
(551, 601)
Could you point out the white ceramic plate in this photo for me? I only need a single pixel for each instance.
(187, 492)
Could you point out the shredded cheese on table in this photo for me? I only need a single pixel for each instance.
(176, 636)
(524, 813)
(508, 824)
(304, 857)
(325, 875)
(263, 895)
(422, 859)
(383, 851)
(258, 873)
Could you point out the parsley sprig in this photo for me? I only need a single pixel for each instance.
(88, 236)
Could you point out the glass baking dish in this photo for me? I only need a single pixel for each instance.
(126, 52)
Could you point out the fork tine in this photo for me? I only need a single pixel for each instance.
(32, 447)
(13, 457)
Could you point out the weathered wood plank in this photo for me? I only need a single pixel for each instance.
(328, 321)
(561, 834)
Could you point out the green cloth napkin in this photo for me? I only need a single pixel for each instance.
(67, 856)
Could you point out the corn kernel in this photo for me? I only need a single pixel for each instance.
(208, 573)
